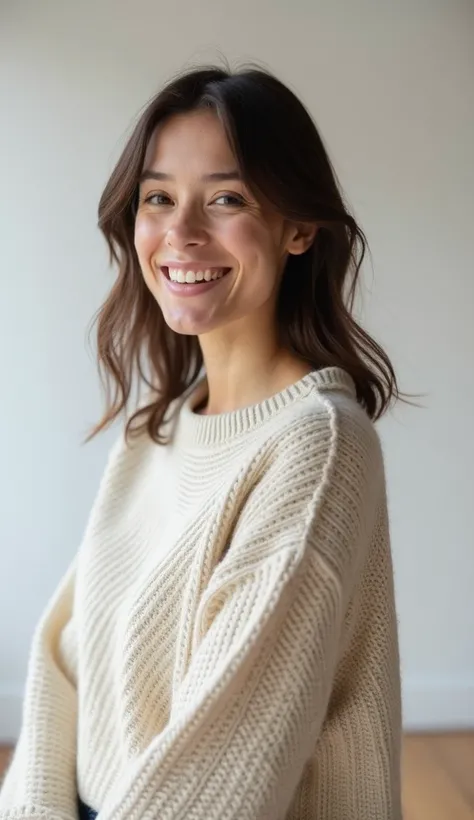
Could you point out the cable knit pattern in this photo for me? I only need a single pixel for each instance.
(224, 645)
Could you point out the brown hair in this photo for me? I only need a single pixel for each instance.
(280, 154)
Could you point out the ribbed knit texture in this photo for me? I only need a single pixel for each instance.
(224, 645)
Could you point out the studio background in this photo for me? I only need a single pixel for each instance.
(390, 88)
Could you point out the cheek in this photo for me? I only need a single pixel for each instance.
(247, 238)
(145, 237)
(145, 241)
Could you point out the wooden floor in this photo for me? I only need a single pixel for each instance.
(438, 773)
(438, 776)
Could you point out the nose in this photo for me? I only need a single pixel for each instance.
(186, 228)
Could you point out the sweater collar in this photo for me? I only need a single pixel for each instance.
(218, 429)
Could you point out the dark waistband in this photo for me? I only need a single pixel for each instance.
(85, 812)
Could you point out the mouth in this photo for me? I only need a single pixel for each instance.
(190, 277)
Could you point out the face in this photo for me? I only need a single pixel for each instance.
(197, 220)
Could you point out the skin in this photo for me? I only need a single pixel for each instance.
(220, 223)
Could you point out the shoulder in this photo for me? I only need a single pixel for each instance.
(328, 430)
(323, 458)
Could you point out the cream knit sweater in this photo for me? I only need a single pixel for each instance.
(224, 646)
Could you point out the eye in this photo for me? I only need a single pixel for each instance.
(233, 200)
(158, 199)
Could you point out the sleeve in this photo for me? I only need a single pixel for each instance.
(41, 775)
(40, 781)
(250, 708)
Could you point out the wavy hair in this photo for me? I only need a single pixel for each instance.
(281, 155)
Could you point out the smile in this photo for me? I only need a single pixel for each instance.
(191, 276)
(192, 283)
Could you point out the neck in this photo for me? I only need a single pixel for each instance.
(246, 372)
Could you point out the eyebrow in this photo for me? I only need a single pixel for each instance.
(220, 176)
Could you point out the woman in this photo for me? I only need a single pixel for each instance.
(225, 644)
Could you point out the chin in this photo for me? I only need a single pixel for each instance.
(184, 331)
(187, 328)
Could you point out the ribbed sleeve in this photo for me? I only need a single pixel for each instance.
(41, 781)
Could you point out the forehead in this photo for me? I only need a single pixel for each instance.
(184, 141)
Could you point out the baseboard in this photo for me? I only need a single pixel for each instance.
(426, 708)
(438, 707)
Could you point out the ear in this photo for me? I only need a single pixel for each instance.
(301, 237)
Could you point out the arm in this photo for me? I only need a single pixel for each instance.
(250, 709)
(41, 777)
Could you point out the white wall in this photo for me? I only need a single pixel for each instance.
(390, 85)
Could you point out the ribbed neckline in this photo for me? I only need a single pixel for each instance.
(201, 430)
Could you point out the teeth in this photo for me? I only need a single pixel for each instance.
(190, 276)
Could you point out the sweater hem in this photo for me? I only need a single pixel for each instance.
(32, 812)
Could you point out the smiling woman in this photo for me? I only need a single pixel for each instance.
(224, 645)
(227, 169)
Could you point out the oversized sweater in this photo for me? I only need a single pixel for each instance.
(224, 645)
